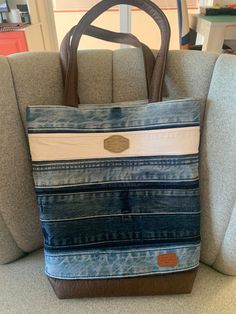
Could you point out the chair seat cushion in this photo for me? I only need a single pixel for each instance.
(25, 289)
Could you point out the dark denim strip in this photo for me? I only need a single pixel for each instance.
(114, 130)
(124, 243)
(115, 162)
(161, 245)
(85, 204)
(110, 230)
(194, 184)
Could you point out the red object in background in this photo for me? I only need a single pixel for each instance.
(12, 42)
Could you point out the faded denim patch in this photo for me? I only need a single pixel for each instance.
(168, 114)
(68, 173)
(117, 263)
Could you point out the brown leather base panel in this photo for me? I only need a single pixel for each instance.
(175, 283)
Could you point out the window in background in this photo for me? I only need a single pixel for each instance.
(67, 13)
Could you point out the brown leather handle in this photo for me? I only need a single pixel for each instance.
(100, 33)
(156, 86)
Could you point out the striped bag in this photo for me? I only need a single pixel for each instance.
(117, 185)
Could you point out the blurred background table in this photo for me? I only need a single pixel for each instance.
(213, 30)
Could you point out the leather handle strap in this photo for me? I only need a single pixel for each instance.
(156, 86)
(122, 38)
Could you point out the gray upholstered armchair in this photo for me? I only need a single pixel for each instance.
(106, 76)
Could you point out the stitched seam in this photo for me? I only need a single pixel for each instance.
(149, 249)
(109, 105)
(180, 269)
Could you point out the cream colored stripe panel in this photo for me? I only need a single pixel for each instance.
(69, 146)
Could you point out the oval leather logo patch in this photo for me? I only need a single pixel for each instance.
(167, 260)
(116, 143)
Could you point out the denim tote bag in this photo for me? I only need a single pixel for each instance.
(117, 184)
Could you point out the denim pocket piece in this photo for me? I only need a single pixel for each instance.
(117, 188)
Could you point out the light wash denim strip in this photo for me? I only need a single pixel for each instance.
(125, 170)
(104, 264)
(115, 117)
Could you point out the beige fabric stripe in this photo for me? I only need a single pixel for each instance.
(69, 146)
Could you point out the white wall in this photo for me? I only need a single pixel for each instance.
(142, 26)
(205, 3)
(85, 4)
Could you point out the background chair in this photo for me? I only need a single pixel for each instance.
(106, 76)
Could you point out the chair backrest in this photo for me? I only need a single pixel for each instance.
(104, 77)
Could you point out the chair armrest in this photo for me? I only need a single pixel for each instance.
(226, 259)
(19, 223)
(218, 169)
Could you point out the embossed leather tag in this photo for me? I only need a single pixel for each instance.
(167, 260)
(116, 143)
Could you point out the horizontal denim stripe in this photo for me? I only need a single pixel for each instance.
(85, 204)
(122, 170)
(114, 117)
(128, 215)
(146, 128)
(121, 229)
(115, 162)
(113, 186)
(118, 243)
(117, 263)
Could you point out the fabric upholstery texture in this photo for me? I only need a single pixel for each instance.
(37, 80)
(9, 250)
(26, 290)
(218, 169)
(18, 213)
(128, 84)
(95, 88)
(189, 75)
